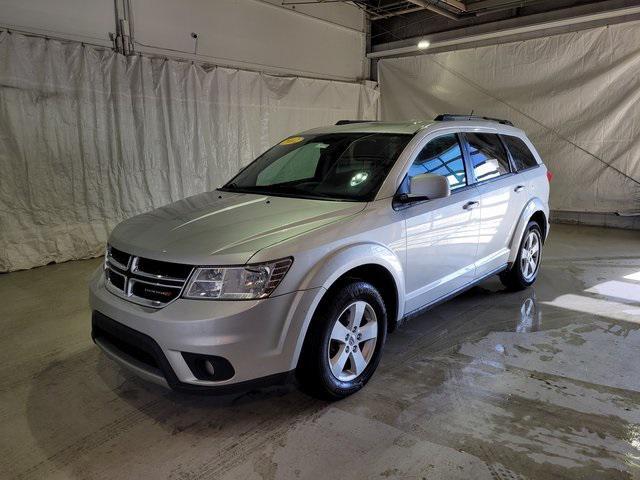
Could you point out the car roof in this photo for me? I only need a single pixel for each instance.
(412, 127)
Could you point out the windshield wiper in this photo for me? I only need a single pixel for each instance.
(230, 186)
(280, 188)
(277, 189)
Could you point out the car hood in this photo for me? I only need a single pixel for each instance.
(223, 228)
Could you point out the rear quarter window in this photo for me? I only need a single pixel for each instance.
(522, 157)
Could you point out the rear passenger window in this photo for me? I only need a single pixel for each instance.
(442, 156)
(520, 153)
(488, 156)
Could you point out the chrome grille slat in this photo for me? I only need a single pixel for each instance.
(137, 271)
(116, 263)
(114, 266)
(141, 287)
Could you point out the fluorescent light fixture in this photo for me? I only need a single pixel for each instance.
(423, 44)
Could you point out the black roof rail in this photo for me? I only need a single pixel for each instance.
(347, 122)
(449, 117)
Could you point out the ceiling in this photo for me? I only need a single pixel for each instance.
(396, 20)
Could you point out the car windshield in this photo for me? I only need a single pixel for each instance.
(333, 166)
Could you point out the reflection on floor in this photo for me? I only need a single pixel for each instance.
(543, 383)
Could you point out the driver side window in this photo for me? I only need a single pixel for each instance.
(441, 156)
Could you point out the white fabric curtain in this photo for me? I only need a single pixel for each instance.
(577, 95)
(89, 138)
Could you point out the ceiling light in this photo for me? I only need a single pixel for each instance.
(423, 44)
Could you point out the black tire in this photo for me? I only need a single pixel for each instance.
(314, 373)
(514, 278)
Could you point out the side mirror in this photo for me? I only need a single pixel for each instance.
(426, 186)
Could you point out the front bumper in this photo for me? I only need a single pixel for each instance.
(259, 338)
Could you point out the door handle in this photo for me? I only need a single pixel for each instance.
(519, 188)
(470, 205)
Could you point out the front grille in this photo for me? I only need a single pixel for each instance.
(144, 281)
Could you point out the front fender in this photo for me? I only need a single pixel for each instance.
(534, 205)
(333, 266)
(330, 268)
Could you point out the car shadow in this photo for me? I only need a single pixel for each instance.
(78, 409)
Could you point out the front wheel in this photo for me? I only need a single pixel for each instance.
(524, 271)
(344, 342)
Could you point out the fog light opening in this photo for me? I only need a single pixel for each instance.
(208, 367)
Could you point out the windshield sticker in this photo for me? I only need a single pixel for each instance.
(292, 140)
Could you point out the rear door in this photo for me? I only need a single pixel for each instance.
(531, 180)
(501, 199)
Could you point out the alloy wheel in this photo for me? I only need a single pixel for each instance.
(530, 255)
(353, 341)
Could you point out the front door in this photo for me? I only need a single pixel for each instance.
(442, 234)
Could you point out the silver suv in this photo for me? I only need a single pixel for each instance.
(308, 257)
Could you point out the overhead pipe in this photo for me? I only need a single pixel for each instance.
(123, 36)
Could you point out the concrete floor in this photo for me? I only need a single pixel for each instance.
(492, 385)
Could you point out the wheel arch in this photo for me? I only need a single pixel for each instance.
(540, 218)
(373, 263)
(536, 210)
(381, 279)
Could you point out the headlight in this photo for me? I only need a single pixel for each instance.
(237, 283)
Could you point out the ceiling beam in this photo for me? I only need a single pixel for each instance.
(490, 4)
(396, 13)
(431, 6)
(458, 5)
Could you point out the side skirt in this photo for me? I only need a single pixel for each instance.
(449, 296)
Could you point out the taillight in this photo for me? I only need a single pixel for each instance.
(549, 176)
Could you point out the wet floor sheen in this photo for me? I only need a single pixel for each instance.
(543, 383)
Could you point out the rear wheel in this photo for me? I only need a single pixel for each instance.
(344, 342)
(524, 270)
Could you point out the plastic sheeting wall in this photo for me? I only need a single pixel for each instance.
(89, 138)
(577, 95)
